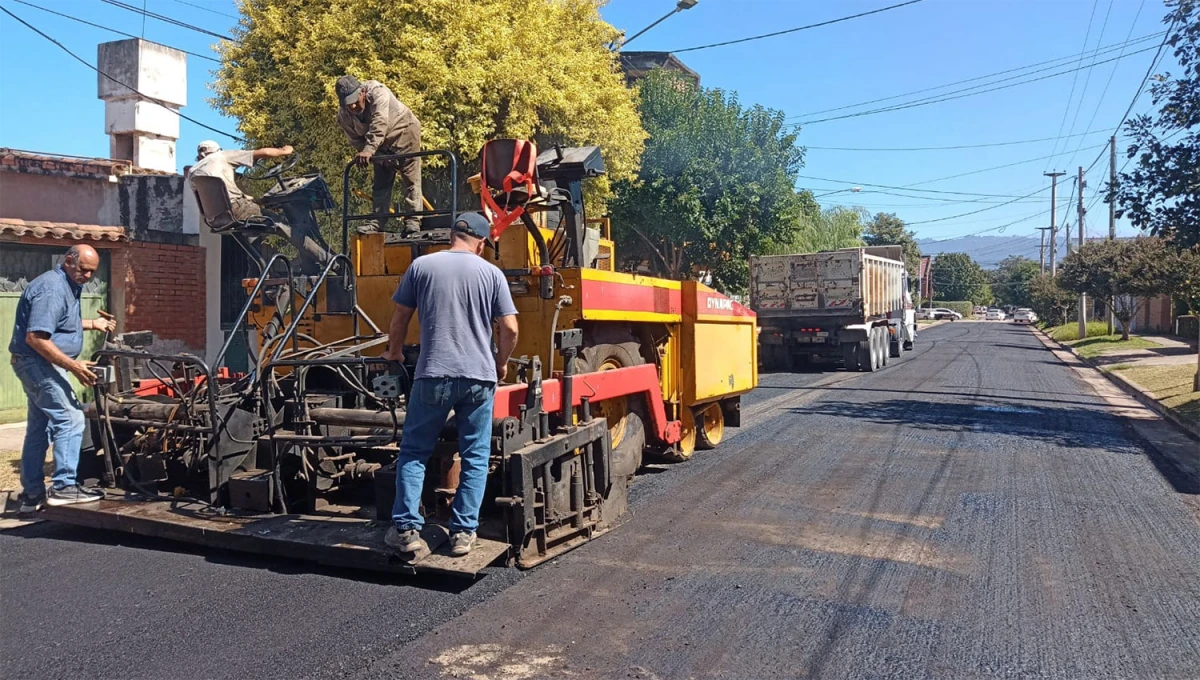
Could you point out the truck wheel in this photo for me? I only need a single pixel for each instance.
(867, 357)
(894, 347)
(850, 355)
(908, 345)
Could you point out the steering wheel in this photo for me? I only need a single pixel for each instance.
(257, 173)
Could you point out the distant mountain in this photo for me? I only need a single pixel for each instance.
(987, 250)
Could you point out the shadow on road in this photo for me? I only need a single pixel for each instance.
(1059, 426)
(49, 530)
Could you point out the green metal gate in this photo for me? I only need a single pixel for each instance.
(20, 264)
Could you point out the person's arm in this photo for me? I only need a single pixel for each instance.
(40, 342)
(356, 140)
(272, 152)
(505, 344)
(107, 323)
(397, 331)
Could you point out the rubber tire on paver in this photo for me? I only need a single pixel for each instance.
(627, 452)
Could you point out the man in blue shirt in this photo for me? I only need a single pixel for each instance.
(457, 295)
(46, 342)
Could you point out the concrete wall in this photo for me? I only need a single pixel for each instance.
(151, 203)
(40, 197)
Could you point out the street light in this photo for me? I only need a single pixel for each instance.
(679, 7)
(854, 189)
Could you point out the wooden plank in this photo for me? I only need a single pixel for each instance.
(337, 541)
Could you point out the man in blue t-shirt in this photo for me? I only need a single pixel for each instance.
(46, 341)
(457, 295)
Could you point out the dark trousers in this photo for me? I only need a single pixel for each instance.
(410, 171)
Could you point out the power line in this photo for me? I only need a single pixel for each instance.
(954, 147)
(1145, 79)
(1075, 78)
(1088, 79)
(131, 89)
(110, 30)
(927, 191)
(959, 94)
(793, 30)
(166, 19)
(206, 9)
(997, 167)
(976, 212)
(1113, 72)
(1102, 50)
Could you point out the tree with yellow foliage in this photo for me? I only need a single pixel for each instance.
(471, 70)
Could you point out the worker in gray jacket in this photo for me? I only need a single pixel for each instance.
(378, 124)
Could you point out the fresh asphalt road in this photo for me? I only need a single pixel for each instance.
(973, 510)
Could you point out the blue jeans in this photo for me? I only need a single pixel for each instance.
(428, 407)
(54, 415)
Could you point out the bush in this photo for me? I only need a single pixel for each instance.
(966, 308)
(1070, 330)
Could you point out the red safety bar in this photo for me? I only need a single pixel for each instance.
(620, 382)
(153, 387)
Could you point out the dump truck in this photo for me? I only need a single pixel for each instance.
(851, 305)
(295, 457)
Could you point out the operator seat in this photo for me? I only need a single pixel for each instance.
(212, 197)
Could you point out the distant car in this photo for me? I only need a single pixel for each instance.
(1025, 316)
(979, 311)
(994, 314)
(938, 314)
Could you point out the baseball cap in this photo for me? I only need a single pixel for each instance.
(206, 147)
(474, 224)
(348, 88)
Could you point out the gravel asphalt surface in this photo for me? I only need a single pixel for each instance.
(973, 510)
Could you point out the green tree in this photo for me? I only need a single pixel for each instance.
(827, 229)
(885, 229)
(957, 277)
(1052, 303)
(1122, 273)
(715, 186)
(1161, 194)
(471, 70)
(1011, 279)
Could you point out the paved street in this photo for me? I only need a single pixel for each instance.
(974, 510)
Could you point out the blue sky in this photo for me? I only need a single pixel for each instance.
(924, 45)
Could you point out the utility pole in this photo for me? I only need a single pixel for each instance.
(1042, 250)
(1112, 204)
(1053, 219)
(1082, 296)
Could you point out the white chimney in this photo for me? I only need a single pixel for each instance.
(140, 129)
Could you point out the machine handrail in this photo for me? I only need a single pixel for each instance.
(262, 281)
(311, 297)
(452, 212)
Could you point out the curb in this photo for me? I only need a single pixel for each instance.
(1128, 386)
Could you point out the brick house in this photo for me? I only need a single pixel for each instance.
(131, 208)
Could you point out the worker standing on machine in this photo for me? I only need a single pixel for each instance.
(377, 123)
(457, 294)
(211, 161)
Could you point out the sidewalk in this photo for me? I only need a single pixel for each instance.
(1160, 376)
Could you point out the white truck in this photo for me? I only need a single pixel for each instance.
(852, 305)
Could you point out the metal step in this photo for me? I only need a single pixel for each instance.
(336, 541)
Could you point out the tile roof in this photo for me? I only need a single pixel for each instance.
(61, 230)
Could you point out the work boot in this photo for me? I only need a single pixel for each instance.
(29, 505)
(70, 495)
(368, 227)
(461, 542)
(407, 541)
(412, 228)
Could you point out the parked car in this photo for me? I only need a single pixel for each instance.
(938, 314)
(979, 311)
(1025, 316)
(994, 314)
